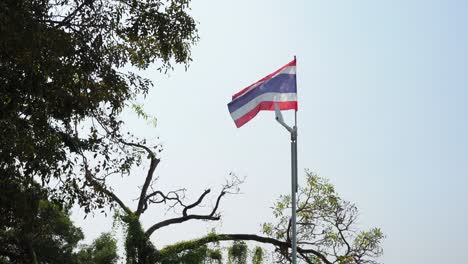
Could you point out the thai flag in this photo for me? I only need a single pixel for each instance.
(279, 87)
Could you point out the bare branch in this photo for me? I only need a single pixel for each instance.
(215, 208)
(230, 187)
(200, 199)
(173, 196)
(186, 217)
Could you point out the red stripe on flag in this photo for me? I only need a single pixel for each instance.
(269, 106)
(291, 63)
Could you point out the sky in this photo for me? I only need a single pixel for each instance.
(382, 88)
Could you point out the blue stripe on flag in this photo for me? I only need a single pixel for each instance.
(282, 83)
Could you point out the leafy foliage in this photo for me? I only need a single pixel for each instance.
(103, 250)
(138, 108)
(326, 224)
(191, 252)
(257, 257)
(201, 254)
(237, 253)
(63, 83)
(138, 247)
(33, 229)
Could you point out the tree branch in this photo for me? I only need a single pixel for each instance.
(186, 217)
(101, 188)
(149, 176)
(348, 247)
(72, 14)
(164, 198)
(221, 194)
(200, 199)
(179, 220)
(304, 257)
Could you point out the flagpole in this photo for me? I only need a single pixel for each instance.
(294, 184)
(293, 132)
(293, 190)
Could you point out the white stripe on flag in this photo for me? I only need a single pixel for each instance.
(287, 70)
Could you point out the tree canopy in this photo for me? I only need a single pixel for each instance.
(326, 226)
(103, 250)
(31, 227)
(62, 66)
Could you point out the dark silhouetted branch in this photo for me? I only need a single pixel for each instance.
(212, 216)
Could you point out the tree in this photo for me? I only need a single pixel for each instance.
(327, 231)
(103, 250)
(34, 229)
(61, 68)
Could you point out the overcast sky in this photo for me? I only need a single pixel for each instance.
(382, 86)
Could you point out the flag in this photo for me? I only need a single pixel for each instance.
(279, 87)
